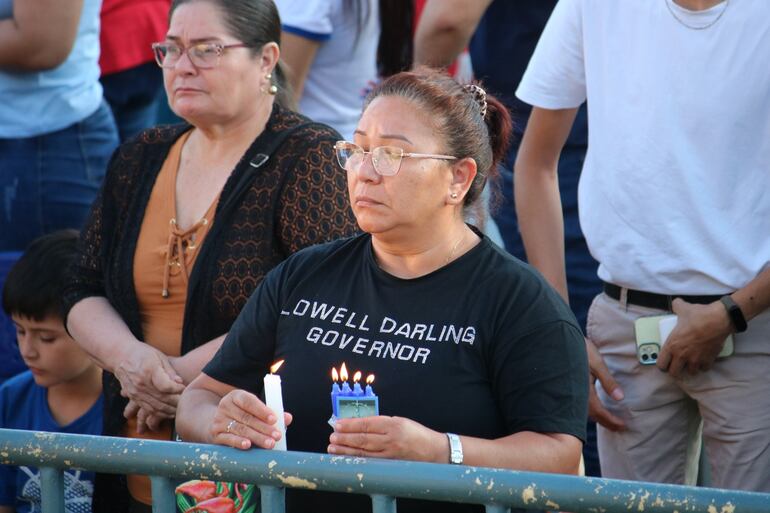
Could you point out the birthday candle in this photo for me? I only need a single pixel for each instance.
(274, 401)
(344, 376)
(357, 390)
(369, 381)
(335, 390)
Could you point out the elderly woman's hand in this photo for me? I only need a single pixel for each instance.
(148, 379)
(388, 437)
(145, 420)
(242, 420)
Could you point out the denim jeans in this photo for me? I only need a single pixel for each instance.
(582, 280)
(134, 96)
(48, 182)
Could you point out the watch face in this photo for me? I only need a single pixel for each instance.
(355, 407)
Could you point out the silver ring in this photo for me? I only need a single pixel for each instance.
(230, 426)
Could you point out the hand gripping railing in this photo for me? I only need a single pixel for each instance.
(383, 480)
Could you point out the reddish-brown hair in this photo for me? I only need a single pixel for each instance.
(457, 116)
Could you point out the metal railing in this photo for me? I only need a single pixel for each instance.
(383, 480)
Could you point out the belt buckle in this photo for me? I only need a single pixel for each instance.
(623, 299)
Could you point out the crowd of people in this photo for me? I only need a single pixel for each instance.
(327, 196)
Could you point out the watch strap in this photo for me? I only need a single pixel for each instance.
(735, 313)
(455, 449)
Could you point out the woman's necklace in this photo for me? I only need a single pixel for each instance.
(692, 27)
(454, 248)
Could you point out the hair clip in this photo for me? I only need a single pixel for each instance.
(479, 95)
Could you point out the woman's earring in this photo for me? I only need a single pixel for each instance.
(273, 89)
(453, 195)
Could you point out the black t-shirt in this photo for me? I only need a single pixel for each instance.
(481, 347)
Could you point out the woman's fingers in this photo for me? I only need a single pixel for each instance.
(362, 442)
(242, 420)
(366, 436)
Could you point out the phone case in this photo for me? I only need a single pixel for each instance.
(652, 333)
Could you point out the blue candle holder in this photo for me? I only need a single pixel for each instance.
(353, 403)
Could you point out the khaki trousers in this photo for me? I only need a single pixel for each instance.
(728, 406)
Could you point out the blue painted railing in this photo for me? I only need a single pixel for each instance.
(383, 480)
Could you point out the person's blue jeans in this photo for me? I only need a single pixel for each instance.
(48, 182)
(582, 280)
(134, 96)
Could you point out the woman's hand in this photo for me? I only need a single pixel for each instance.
(145, 420)
(388, 437)
(242, 420)
(148, 379)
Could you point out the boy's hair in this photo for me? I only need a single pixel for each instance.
(35, 283)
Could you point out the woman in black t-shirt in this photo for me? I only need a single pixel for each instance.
(463, 337)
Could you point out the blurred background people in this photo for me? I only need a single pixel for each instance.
(336, 50)
(133, 84)
(56, 132)
(192, 216)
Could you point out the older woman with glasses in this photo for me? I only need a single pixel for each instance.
(477, 360)
(192, 217)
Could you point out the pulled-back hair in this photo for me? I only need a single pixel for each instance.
(255, 23)
(457, 117)
(34, 286)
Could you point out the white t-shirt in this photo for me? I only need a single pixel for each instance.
(675, 191)
(345, 65)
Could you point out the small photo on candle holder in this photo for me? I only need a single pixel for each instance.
(356, 407)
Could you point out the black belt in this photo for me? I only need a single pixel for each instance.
(652, 300)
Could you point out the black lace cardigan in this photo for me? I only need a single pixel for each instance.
(297, 198)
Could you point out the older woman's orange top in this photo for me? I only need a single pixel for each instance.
(164, 257)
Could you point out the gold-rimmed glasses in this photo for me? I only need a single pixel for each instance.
(202, 55)
(386, 160)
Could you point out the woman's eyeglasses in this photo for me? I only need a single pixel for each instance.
(386, 160)
(202, 55)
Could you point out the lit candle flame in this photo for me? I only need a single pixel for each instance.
(370, 379)
(277, 365)
(357, 377)
(335, 376)
(344, 372)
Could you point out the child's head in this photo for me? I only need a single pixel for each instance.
(32, 298)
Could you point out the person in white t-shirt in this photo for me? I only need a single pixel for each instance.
(674, 204)
(332, 51)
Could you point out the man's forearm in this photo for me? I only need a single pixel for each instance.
(754, 298)
(40, 35)
(539, 210)
(444, 30)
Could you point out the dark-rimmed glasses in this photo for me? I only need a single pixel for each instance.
(386, 160)
(202, 55)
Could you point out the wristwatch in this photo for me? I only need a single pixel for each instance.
(735, 313)
(455, 449)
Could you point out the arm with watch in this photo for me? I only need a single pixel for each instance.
(405, 439)
(701, 329)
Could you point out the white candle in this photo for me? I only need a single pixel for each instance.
(274, 401)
